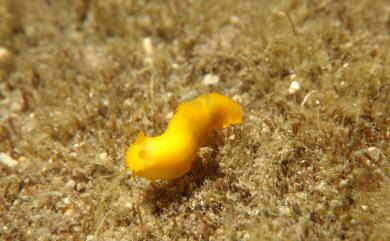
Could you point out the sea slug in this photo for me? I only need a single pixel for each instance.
(171, 154)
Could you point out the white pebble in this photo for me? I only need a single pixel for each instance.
(148, 49)
(374, 153)
(106, 102)
(103, 156)
(128, 205)
(66, 200)
(7, 160)
(148, 46)
(4, 54)
(235, 20)
(210, 79)
(294, 87)
(365, 208)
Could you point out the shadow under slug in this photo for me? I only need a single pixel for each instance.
(160, 195)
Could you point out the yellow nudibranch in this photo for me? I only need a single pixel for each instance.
(171, 154)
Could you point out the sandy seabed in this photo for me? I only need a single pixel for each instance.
(80, 78)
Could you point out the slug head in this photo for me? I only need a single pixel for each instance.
(227, 111)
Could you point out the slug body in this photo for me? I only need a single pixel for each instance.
(171, 154)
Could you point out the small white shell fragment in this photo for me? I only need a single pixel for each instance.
(103, 156)
(106, 102)
(210, 79)
(128, 205)
(66, 200)
(7, 160)
(148, 46)
(4, 54)
(294, 87)
(365, 208)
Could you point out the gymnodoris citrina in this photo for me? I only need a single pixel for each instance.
(171, 154)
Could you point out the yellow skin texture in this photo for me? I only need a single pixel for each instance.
(171, 154)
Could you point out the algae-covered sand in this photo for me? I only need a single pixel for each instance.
(79, 80)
